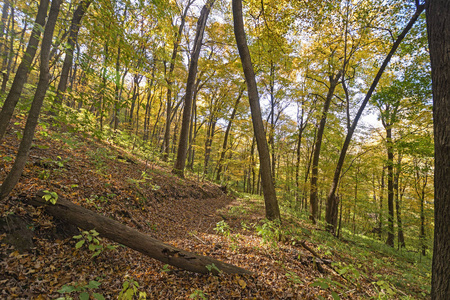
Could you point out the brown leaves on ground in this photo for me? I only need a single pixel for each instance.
(181, 212)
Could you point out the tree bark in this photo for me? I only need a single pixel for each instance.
(180, 162)
(176, 43)
(390, 178)
(225, 138)
(438, 17)
(270, 197)
(44, 77)
(337, 173)
(143, 243)
(23, 70)
(398, 198)
(334, 80)
(71, 41)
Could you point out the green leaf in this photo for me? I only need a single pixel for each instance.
(323, 285)
(66, 289)
(93, 284)
(98, 296)
(79, 244)
(84, 296)
(335, 296)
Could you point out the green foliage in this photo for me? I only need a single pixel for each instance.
(384, 289)
(91, 239)
(270, 232)
(223, 228)
(165, 268)
(51, 197)
(44, 174)
(198, 294)
(212, 268)
(294, 278)
(325, 284)
(130, 291)
(83, 291)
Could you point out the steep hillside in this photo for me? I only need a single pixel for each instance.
(43, 258)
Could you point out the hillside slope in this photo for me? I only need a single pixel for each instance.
(188, 213)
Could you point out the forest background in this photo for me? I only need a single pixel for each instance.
(315, 64)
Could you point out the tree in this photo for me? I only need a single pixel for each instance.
(23, 70)
(438, 16)
(332, 206)
(270, 198)
(180, 162)
(33, 116)
(169, 80)
(72, 39)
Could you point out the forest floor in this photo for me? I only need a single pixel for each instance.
(189, 213)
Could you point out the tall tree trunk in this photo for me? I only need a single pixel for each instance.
(334, 80)
(438, 16)
(225, 138)
(208, 143)
(270, 198)
(180, 162)
(23, 70)
(70, 47)
(44, 77)
(380, 224)
(8, 56)
(390, 177)
(398, 196)
(337, 173)
(301, 128)
(272, 118)
(166, 142)
(3, 21)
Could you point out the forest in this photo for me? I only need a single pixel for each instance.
(307, 136)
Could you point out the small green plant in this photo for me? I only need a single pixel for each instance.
(51, 197)
(325, 283)
(294, 278)
(7, 158)
(384, 290)
(198, 294)
(130, 291)
(91, 237)
(270, 232)
(212, 268)
(223, 228)
(83, 290)
(165, 268)
(44, 174)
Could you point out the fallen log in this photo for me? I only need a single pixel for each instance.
(132, 238)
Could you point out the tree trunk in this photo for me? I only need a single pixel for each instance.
(380, 221)
(71, 41)
(143, 243)
(348, 138)
(390, 177)
(438, 16)
(33, 116)
(23, 70)
(334, 80)
(270, 198)
(176, 43)
(180, 162)
(225, 138)
(7, 62)
(398, 196)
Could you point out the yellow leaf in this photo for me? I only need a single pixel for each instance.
(242, 283)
